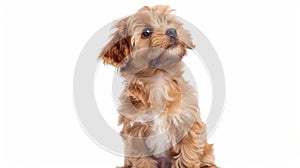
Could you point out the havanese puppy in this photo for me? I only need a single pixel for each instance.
(159, 108)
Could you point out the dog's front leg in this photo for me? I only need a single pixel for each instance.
(135, 146)
(191, 151)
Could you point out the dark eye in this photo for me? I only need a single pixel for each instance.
(147, 32)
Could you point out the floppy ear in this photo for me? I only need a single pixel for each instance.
(119, 45)
(187, 40)
(190, 45)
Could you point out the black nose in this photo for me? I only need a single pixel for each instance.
(171, 32)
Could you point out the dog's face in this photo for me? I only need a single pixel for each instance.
(148, 28)
(147, 47)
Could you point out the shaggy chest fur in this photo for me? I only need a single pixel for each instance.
(162, 133)
(158, 108)
(160, 130)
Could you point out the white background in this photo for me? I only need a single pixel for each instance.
(257, 41)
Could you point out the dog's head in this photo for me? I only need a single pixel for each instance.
(147, 47)
(151, 27)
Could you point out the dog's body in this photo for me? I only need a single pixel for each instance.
(159, 109)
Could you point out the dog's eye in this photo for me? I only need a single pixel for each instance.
(147, 32)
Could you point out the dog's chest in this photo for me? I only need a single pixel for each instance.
(159, 125)
(161, 139)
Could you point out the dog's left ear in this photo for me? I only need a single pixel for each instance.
(119, 45)
(190, 46)
(188, 43)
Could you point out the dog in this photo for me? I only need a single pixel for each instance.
(159, 109)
